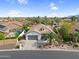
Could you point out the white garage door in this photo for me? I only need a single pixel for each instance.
(32, 37)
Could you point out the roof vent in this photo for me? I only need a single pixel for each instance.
(41, 29)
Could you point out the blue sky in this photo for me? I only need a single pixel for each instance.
(18, 8)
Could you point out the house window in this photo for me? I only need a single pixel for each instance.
(44, 37)
(41, 29)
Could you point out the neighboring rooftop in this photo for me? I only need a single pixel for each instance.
(2, 26)
(12, 24)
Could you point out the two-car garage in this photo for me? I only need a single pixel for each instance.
(32, 37)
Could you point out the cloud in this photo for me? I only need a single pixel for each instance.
(77, 9)
(54, 14)
(11, 1)
(52, 4)
(23, 1)
(14, 13)
(58, 14)
(19, 1)
(74, 13)
(54, 8)
(61, 1)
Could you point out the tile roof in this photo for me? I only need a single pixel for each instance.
(2, 26)
(12, 24)
(40, 28)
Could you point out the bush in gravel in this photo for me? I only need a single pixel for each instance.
(2, 36)
(76, 45)
(20, 38)
(17, 47)
(10, 38)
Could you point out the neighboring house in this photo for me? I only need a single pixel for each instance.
(10, 27)
(34, 35)
(3, 29)
(12, 24)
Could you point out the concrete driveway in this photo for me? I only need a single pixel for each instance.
(28, 45)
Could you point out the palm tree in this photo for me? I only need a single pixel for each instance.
(74, 18)
(52, 38)
(76, 36)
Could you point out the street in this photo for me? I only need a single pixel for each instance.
(38, 54)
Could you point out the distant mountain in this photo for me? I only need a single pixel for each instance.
(77, 15)
(73, 15)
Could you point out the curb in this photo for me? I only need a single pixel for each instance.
(62, 50)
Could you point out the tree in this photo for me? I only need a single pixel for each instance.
(50, 36)
(68, 26)
(54, 38)
(57, 20)
(73, 18)
(74, 37)
(64, 34)
(58, 37)
(45, 17)
(76, 34)
(65, 30)
(26, 27)
(44, 37)
(17, 34)
(2, 36)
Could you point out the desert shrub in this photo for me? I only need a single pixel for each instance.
(20, 38)
(2, 36)
(17, 34)
(17, 47)
(26, 27)
(10, 38)
(76, 45)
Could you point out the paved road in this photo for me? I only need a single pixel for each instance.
(38, 55)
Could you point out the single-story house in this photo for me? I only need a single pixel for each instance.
(10, 27)
(3, 29)
(6, 31)
(12, 24)
(35, 34)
